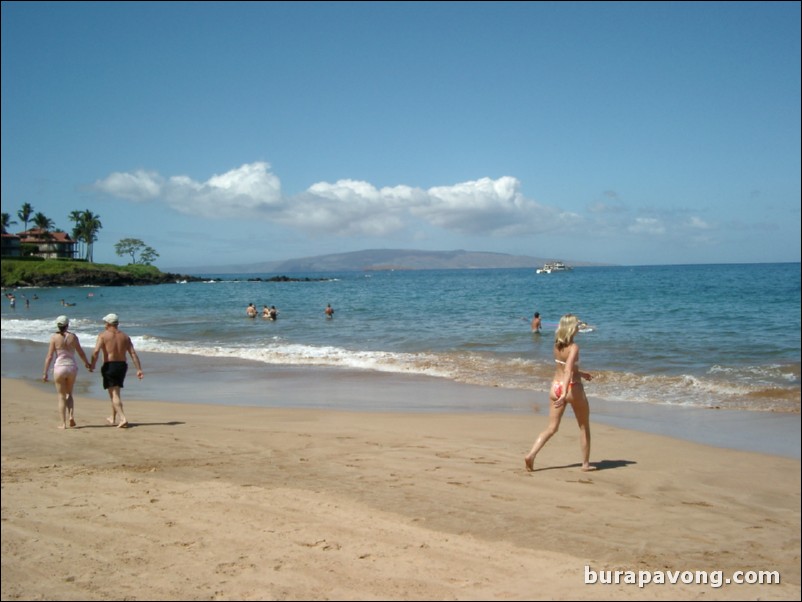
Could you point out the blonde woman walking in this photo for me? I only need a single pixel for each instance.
(566, 387)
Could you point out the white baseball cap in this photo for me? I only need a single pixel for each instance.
(62, 321)
(111, 319)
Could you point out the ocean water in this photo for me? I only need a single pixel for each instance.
(723, 336)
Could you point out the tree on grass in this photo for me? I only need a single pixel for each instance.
(85, 231)
(44, 223)
(134, 246)
(25, 214)
(7, 221)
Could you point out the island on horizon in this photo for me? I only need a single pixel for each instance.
(383, 260)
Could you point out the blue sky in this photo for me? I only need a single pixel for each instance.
(226, 133)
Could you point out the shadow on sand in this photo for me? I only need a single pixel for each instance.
(131, 425)
(597, 466)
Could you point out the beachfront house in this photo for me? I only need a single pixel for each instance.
(45, 244)
(11, 245)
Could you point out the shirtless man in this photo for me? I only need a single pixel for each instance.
(115, 344)
(536, 323)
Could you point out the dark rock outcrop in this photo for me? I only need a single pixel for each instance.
(99, 278)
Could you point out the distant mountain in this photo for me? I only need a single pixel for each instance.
(380, 259)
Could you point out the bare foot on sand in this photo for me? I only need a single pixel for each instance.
(72, 422)
(588, 468)
(529, 463)
(110, 420)
(122, 425)
(62, 426)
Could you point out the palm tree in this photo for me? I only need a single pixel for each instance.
(44, 223)
(77, 217)
(7, 221)
(25, 214)
(90, 225)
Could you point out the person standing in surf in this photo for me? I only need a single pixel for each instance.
(566, 387)
(536, 323)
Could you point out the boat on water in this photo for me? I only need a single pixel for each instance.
(554, 266)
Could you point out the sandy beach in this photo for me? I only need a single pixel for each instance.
(208, 502)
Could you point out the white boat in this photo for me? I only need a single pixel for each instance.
(553, 266)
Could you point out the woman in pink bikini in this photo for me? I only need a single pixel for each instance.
(566, 388)
(64, 345)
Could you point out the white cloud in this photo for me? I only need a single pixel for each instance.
(647, 225)
(698, 223)
(350, 208)
(485, 205)
(609, 208)
(345, 207)
(240, 192)
(138, 186)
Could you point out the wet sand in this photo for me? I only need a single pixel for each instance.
(207, 501)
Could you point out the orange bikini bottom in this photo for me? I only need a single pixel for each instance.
(557, 388)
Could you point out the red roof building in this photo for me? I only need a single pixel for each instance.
(50, 245)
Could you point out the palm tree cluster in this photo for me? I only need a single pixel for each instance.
(87, 225)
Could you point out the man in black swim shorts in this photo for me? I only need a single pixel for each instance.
(116, 346)
(113, 374)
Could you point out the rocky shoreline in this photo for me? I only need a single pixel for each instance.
(110, 277)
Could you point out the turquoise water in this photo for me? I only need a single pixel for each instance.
(700, 336)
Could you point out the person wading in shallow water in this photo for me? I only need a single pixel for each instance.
(537, 323)
(115, 344)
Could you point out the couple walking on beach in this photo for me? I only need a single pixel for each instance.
(113, 343)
